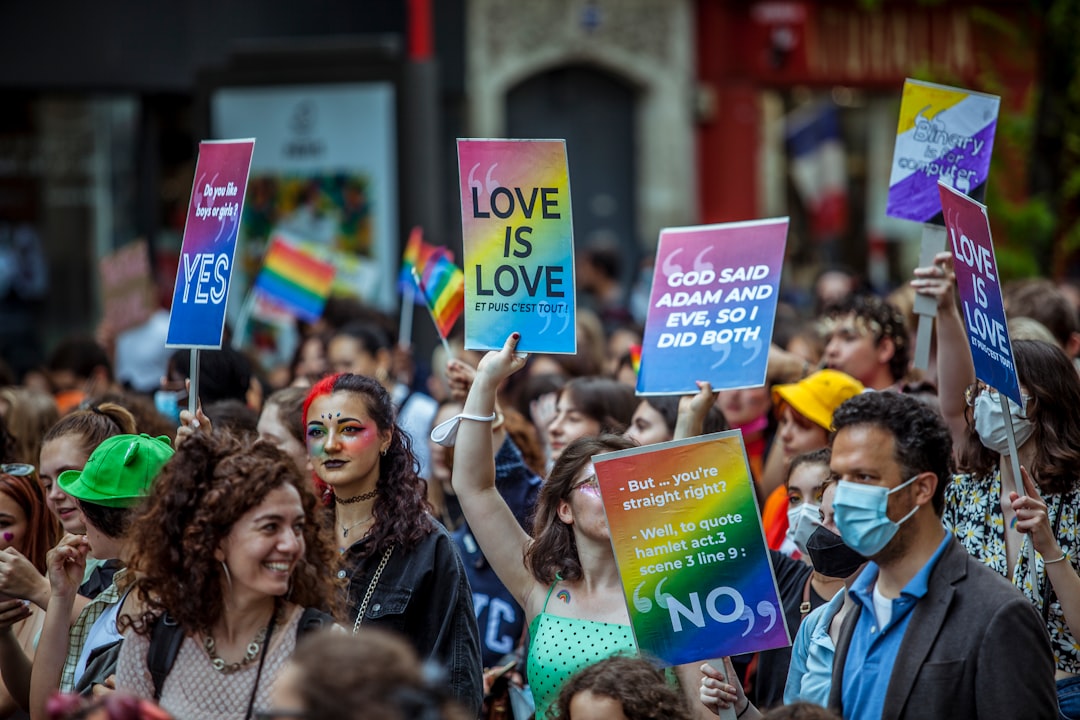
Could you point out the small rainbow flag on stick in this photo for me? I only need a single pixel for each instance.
(416, 257)
(442, 285)
(294, 279)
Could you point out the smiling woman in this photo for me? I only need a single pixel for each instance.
(228, 550)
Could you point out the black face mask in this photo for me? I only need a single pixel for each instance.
(831, 557)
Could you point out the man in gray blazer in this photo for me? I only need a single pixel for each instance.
(934, 633)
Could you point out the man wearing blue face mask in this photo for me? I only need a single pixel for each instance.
(933, 633)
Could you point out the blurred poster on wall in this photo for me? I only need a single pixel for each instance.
(324, 170)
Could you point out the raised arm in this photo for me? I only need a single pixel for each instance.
(954, 365)
(66, 564)
(692, 411)
(490, 518)
(14, 664)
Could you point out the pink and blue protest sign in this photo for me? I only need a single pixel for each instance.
(944, 134)
(690, 549)
(203, 276)
(979, 287)
(712, 306)
(518, 236)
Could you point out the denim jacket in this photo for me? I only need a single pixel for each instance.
(424, 595)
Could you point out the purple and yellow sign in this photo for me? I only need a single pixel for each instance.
(690, 549)
(519, 244)
(945, 134)
(979, 287)
(201, 292)
(712, 306)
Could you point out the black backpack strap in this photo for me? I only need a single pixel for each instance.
(311, 620)
(165, 640)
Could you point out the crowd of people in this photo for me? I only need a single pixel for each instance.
(381, 535)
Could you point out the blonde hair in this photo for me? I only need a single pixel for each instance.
(29, 415)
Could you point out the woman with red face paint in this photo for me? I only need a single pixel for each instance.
(27, 531)
(401, 566)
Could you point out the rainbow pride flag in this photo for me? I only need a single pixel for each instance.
(416, 257)
(295, 280)
(635, 359)
(442, 285)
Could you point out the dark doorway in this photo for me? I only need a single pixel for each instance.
(594, 112)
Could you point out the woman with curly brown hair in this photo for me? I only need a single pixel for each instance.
(227, 548)
(621, 688)
(403, 571)
(564, 575)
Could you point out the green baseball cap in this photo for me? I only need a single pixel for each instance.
(119, 472)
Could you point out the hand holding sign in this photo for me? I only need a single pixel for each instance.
(498, 365)
(936, 281)
(722, 696)
(518, 239)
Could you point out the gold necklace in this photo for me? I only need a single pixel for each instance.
(228, 668)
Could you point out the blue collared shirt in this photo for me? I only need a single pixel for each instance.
(873, 649)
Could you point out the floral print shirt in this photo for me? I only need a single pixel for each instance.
(973, 515)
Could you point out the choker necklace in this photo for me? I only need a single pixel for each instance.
(346, 528)
(356, 498)
(253, 649)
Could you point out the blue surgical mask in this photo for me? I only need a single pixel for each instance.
(167, 403)
(861, 515)
(802, 520)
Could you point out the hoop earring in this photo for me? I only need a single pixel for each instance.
(228, 575)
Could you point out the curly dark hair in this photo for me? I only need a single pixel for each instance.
(884, 320)
(207, 486)
(921, 441)
(638, 685)
(401, 510)
(553, 552)
(1048, 376)
(375, 676)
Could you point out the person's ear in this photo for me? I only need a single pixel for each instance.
(925, 486)
(886, 348)
(565, 512)
(1072, 345)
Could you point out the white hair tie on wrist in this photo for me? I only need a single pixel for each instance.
(445, 433)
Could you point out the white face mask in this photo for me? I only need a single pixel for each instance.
(990, 423)
(802, 521)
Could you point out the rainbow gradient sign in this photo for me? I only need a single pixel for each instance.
(690, 549)
(712, 306)
(979, 287)
(944, 134)
(197, 319)
(518, 237)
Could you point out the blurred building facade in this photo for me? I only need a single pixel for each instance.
(675, 112)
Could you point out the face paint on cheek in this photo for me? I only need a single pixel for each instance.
(9, 536)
